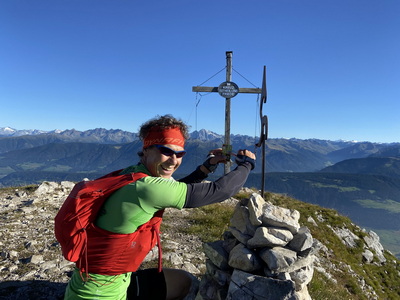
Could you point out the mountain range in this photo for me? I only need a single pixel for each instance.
(359, 179)
(106, 149)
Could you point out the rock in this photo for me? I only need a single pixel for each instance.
(35, 259)
(281, 217)
(13, 254)
(312, 221)
(241, 221)
(372, 241)
(303, 294)
(244, 259)
(67, 186)
(46, 188)
(368, 256)
(278, 258)
(174, 258)
(19, 193)
(245, 286)
(262, 238)
(348, 237)
(193, 289)
(320, 218)
(302, 277)
(191, 268)
(152, 255)
(269, 237)
(47, 265)
(217, 254)
(209, 289)
(229, 241)
(326, 274)
(301, 241)
(239, 236)
(221, 277)
(255, 207)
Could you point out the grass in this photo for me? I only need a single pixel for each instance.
(11, 189)
(322, 289)
(210, 222)
(207, 222)
(388, 204)
(340, 188)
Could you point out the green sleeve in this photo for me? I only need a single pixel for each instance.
(135, 204)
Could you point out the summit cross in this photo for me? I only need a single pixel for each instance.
(228, 90)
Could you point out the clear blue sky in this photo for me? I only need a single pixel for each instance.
(333, 66)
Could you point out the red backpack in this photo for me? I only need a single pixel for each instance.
(80, 210)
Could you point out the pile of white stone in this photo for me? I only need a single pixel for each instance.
(265, 254)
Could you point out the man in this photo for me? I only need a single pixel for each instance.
(113, 263)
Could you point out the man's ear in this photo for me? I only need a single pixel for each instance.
(145, 152)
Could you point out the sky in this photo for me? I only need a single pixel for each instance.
(333, 66)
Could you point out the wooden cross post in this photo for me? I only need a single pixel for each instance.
(228, 90)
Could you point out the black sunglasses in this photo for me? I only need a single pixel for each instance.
(169, 152)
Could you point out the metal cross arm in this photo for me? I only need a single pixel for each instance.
(209, 89)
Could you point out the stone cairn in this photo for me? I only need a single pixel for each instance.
(265, 254)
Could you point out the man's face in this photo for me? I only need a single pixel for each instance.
(161, 165)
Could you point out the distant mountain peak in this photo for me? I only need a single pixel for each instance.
(204, 135)
(8, 131)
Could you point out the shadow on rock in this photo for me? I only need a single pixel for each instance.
(32, 290)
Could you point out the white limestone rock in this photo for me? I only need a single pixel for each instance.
(372, 241)
(281, 217)
(301, 241)
(255, 206)
(269, 237)
(278, 258)
(244, 259)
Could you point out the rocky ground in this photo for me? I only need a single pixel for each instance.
(31, 264)
(32, 267)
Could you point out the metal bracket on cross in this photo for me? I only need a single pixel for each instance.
(264, 129)
(226, 151)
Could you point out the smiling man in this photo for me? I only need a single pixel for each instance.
(118, 241)
(163, 148)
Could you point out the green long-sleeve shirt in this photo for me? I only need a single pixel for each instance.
(123, 212)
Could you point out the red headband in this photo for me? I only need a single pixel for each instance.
(158, 136)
